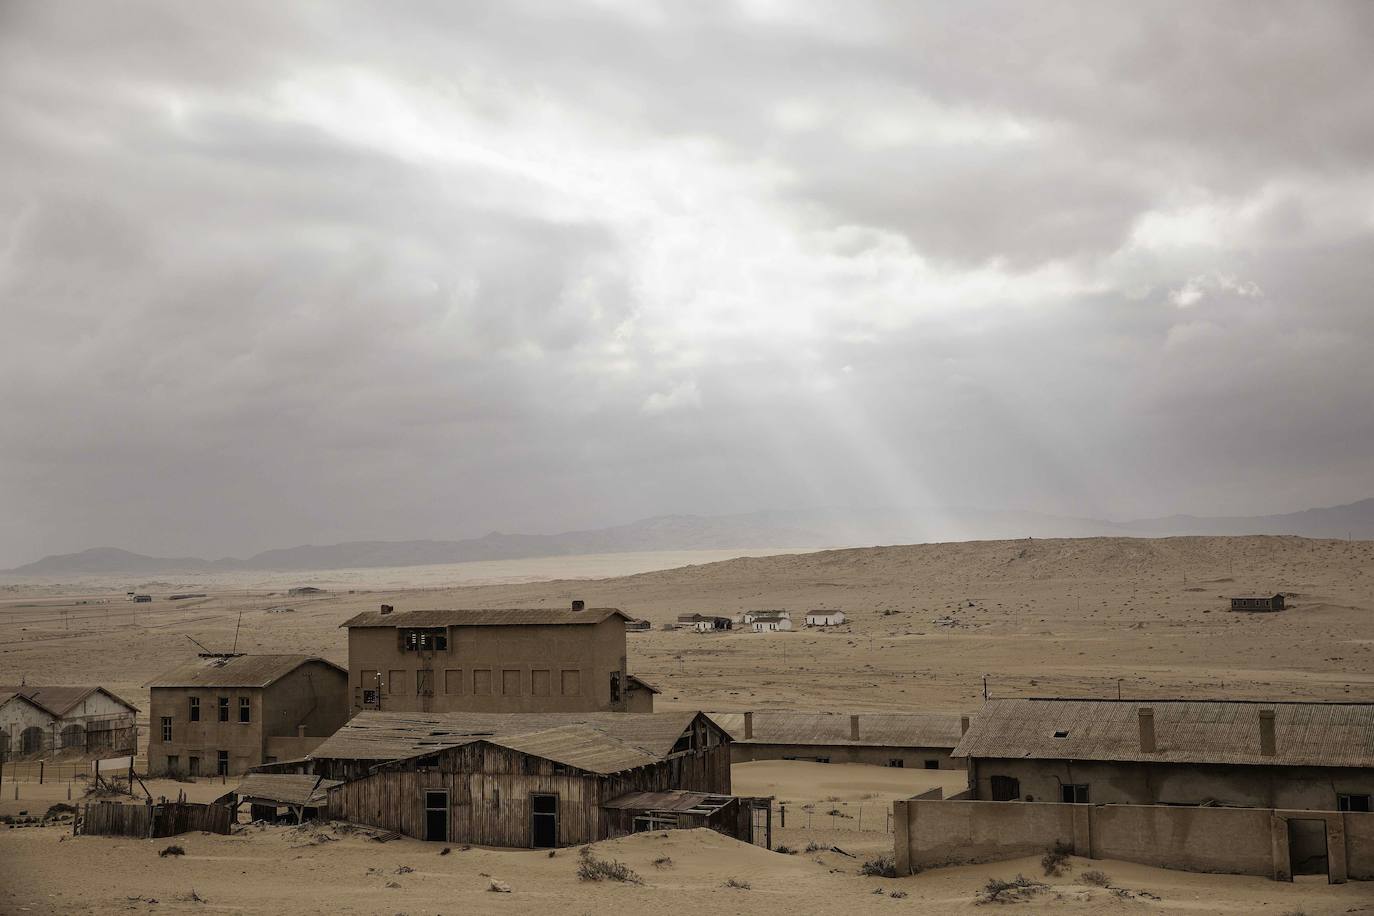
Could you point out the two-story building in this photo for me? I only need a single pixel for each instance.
(223, 713)
(492, 660)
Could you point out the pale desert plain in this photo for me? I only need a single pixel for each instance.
(1090, 617)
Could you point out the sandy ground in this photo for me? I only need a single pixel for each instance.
(1042, 617)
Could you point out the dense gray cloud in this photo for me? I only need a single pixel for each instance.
(274, 273)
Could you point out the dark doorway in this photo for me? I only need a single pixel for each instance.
(1307, 846)
(436, 815)
(543, 821)
(222, 763)
(1005, 788)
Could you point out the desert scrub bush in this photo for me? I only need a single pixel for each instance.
(785, 849)
(736, 882)
(898, 895)
(1018, 888)
(881, 867)
(173, 850)
(663, 862)
(590, 868)
(1055, 859)
(1096, 877)
(813, 846)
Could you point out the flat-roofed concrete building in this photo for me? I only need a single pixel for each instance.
(492, 660)
(1294, 755)
(910, 740)
(222, 714)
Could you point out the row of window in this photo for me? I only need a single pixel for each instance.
(193, 764)
(245, 709)
(481, 682)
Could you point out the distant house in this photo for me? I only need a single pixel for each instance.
(825, 618)
(703, 623)
(222, 714)
(142, 599)
(532, 780)
(1258, 602)
(305, 590)
(909, 740)
(770, 621)
(82, 720)
(638, 626)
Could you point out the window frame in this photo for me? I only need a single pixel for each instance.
(194, 709)
(245, 711)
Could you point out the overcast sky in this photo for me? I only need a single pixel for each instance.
(284, 273)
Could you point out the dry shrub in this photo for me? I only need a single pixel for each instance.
(1096, 877)
(898, 895)
(1018, 889)
(813, 846)
(1055, 859)
(663, 862)
(785, 849)
(881, 867)
(736, 882)
(173, 850)
(590, 868)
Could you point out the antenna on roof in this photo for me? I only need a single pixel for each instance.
(236, 632)
(202, 645)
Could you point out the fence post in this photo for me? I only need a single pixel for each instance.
(861, 818)
(40, 772)
(783, 810)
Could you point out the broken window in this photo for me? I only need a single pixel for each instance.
(1074, 793)
(222, 764)
(245, 709)
(166, 728)
(224, 709)
(897, 762)
(1005, 788)
(426, 639)
(685, 742)
(195, 709)
(1353, 803)
(932, 764)
(1061, 734)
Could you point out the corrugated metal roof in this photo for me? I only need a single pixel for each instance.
(875, 729)
(670, 800)
(237, 671)
(635, 679)
(484, 617)
(1186, 731)
(598, 742)
(285, 788)
(59, 700)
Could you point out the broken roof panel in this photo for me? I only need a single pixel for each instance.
(875, 729)
(285, 788)
(1186, 731)
(484, 617)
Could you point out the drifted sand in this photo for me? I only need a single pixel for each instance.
(1042, 617)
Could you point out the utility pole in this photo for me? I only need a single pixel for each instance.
(985, 688)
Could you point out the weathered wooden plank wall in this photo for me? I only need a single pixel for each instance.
(113, 819)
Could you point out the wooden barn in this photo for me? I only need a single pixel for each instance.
(534, 780)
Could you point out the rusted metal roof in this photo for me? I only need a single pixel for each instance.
(1186, 731)
(825, 728)
(236, 671)
(285, 788)
(484, 617)
(605, 742)
(59, 700)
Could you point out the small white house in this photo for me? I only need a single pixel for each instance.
(825, 618)
(770, 621)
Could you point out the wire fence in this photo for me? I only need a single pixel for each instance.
(859, 817)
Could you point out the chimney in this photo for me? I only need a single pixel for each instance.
(963, 725)
(387, 609)
(1147, 729)
(853, 728)
(300, 731)
(579, 605)
(1267, 743)
(748, 725)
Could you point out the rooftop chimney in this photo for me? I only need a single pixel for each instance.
(387, 609)
(579, 605)
(963, 725)
(1267, 744)
(1147, 729)
(853, 728)
(748, 725)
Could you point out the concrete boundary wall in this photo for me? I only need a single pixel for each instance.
(932, 832)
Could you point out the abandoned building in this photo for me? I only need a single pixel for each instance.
(638, 626)
(1238, 753)
(295, 797)
(911, 740)
(305, 591)
(223, 713)
(769, 621)
(825, 618)
(492, 660)
(533, 780)
(1238, 787)
(703, 623)
(36, 721)
(1272, 602)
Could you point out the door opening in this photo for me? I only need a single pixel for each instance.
(436, 815)
(1307, 847)
(543, 821)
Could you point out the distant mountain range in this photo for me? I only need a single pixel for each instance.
(811, 528)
